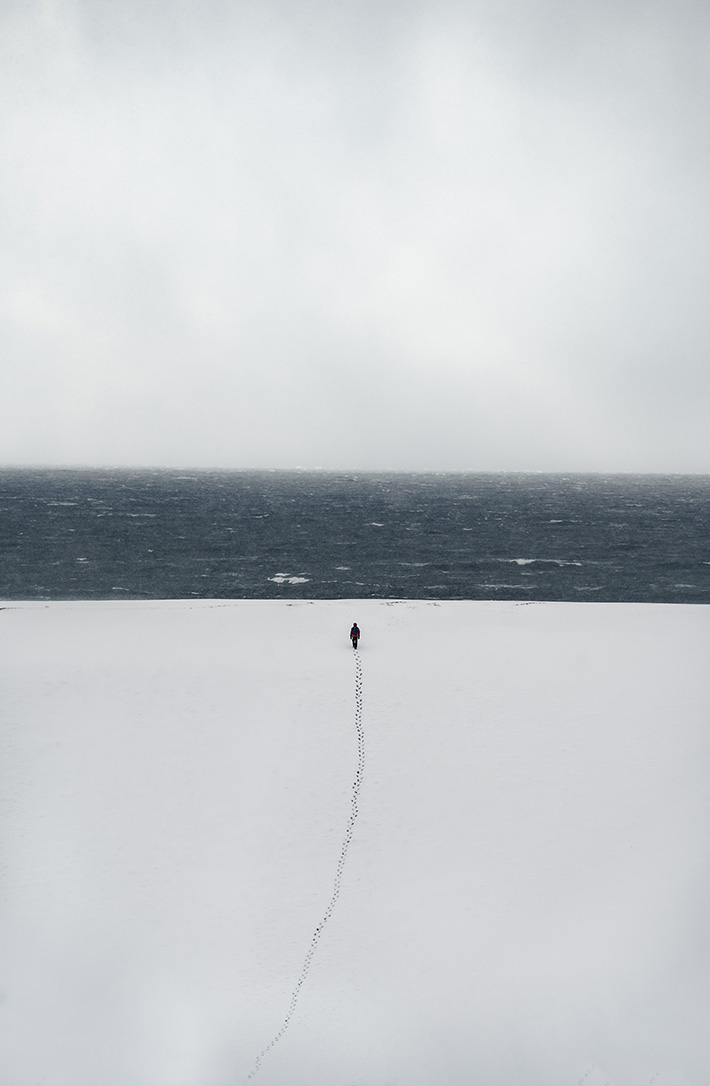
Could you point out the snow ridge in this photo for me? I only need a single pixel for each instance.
(357, 783)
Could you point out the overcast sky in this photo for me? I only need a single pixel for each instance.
(447, 235)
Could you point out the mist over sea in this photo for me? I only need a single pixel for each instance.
(117, 534)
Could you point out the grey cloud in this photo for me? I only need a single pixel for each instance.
(475, 233)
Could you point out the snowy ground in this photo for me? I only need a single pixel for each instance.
(525, 900)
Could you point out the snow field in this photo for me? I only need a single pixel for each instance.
(523, 901)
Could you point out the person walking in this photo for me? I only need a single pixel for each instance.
(355, 634)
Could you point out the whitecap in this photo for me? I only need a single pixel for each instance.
(547, 561)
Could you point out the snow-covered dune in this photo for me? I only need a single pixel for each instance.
(524, 900)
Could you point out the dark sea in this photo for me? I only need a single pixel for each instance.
(97, 535)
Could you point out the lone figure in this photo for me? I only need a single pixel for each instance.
(354, 634)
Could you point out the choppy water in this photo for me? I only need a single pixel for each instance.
(261, 535)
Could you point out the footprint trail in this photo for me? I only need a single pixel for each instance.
(355, 794)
